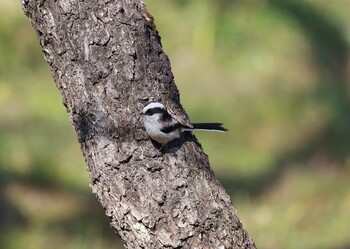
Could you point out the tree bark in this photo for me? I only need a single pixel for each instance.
(107, 61)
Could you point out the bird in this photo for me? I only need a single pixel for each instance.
(163, 126)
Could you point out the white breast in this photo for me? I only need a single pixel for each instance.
(153, 128)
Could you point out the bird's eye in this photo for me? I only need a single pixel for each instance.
(152, 111)
(149, 112)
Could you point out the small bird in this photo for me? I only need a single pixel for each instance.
(163, 127)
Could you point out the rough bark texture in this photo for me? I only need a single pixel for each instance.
(107, 61)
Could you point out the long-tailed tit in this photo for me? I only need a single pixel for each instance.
(164, 127)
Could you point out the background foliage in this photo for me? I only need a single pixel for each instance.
(275, 72)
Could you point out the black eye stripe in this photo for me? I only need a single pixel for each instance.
(155, 110)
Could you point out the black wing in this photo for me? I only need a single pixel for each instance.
(171, 128)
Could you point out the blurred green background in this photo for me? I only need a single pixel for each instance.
(275, 72)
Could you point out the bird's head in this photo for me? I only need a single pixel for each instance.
(153, 108)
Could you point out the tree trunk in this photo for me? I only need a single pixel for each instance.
(107, 61)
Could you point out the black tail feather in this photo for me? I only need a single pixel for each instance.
(209, 126)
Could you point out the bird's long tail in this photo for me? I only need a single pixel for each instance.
(209, 127)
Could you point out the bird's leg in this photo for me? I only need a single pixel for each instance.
(159, 148)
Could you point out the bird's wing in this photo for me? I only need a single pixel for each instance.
(180, 116)
(171, 128)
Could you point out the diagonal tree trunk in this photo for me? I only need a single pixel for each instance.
(107, 61)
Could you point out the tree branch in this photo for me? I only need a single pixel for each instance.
(107, 61)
